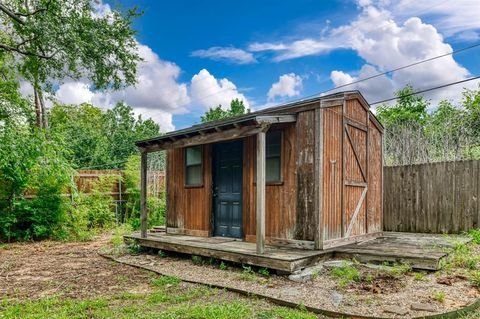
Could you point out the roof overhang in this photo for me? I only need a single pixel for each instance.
(215, 132)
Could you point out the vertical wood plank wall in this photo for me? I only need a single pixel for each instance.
(280, 217)
(188, 207)
(340, 163)
(432, 198)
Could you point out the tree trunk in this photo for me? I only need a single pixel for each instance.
(38, 108)
(43, 109)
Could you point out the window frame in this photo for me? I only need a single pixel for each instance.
(280, 158)
(185, 166)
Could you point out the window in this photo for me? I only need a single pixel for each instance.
(273, 157)
(193, 166)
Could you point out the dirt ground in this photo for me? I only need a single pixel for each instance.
(74, 270)
(35, 271)
(71, 280)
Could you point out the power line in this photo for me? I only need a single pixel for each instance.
(427, 90)
(394, 70)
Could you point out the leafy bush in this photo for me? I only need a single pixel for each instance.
(33, 176)
(91, 212)
(156, 206)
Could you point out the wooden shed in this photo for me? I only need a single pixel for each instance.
(305, 175)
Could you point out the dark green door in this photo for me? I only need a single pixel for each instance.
(227, 189)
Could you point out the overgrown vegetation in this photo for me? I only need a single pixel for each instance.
(413, 134)
(44, 43)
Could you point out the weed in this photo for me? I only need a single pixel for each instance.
(419, 276)
(166, 280)
(438, 296)
(474, 278)
(222, 266)
(162, 253)
(397, 269)
(264, 272)
(462, 257)
(133, 247)
(197, 260)
(248, 274)
(347, 274)
(368, 279)
(475, 235)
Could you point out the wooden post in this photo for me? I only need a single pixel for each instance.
(260, 212)
(143, 194)
(318, 165)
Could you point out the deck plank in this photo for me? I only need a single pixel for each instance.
(422, 251)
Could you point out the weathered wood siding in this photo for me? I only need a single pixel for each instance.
(332, 172)
(352, 173)
(281, 211)
(351, 160)
(188, 208)
(432, 198)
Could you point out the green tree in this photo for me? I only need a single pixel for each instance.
(57, 39)
(121, 130)
(97, 138)
(217, 113)
(409, 108)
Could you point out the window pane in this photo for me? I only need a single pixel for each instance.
(194, 155)
(194, 175)
(273, 150)
(272, 172)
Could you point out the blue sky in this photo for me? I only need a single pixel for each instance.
(202, 53)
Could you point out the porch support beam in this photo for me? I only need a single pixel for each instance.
(143, 194)
(260, 234)
(260, 178)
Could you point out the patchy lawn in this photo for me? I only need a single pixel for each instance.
(70, 280)
(394, 291)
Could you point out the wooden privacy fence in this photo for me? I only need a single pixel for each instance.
(85, 178)
(432, 198)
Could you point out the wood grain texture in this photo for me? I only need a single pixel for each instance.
(432, 198)
(305, 129)
(280, 199)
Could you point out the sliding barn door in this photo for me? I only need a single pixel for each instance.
(355, 174)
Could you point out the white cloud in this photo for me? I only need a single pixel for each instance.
(295, 49)
(157, 94)
(208, 91)
(385, 45)
(449, 17)
(288, 85)
(231, 54)
(74, 93)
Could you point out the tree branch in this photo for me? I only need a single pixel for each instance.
(13, 49)
(11, 14)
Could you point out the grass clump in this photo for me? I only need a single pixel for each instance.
(420, 276)
(166, 280)
(264, 272)
(462, 257)
(474, 278)
(197, 260)
(474, 234)
(346, 273)
(438, 296)
(222, 266)
(248, 274)
(397, 269)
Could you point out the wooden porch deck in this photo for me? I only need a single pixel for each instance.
(422, 251)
